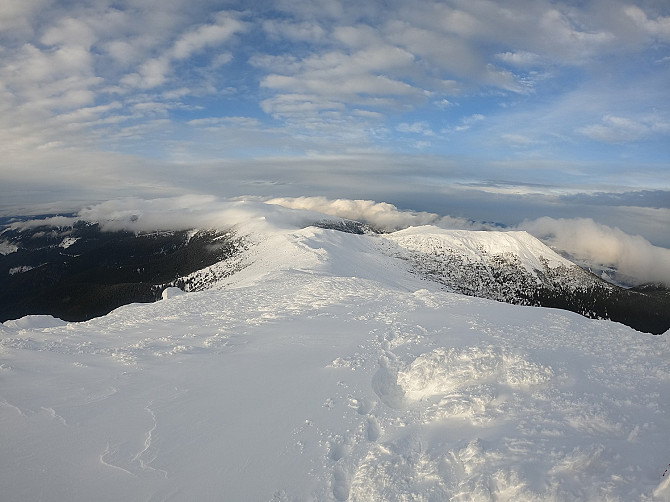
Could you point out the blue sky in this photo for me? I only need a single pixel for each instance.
(490, 110)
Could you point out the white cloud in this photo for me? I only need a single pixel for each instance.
(347, 77)
(658, 28)
(415, 128)
(357, 37)
(70, 32)
(156, 71)
(297, 105)
(303, 31)
(468, 122)
(381, 215)
(206, 211)
(373, 78)
(632, 255)
(519, 58)
(225, 121)
(517, 139)
(151, 73)
(210, 35)
(615, 129)
(17, 15)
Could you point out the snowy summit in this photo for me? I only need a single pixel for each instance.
(327, 365)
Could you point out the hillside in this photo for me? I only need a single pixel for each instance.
(315, 367)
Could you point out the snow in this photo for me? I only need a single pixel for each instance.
(7, 248)
(470, 243)
(171, 292)
(20, 269)
(323, 369)
(68, 241)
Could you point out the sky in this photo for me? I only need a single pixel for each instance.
(497, 111)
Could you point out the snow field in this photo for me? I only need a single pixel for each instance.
(323, 370)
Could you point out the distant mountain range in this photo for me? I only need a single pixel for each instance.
(79, 272)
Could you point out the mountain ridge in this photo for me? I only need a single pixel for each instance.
(507, 266)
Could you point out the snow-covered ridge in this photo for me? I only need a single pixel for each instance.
(314, 248)
(512, 267)
(263, 240)
(531, 252)
(507, 266)
(327, 370)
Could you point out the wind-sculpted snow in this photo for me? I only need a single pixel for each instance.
(317, 368)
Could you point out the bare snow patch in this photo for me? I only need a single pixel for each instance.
(20, 269)
(7, 248)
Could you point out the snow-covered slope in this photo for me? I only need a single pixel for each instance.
(503, 266)
(512, 267)
(319, 368)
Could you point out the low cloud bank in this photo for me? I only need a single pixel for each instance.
(177, 213)
(634, 257)
(204, 211)
(381, 215)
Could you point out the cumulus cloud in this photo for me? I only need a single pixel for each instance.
(634, 257)
(381, 215)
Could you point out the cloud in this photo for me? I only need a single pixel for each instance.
(517, 139)
(615, 129)
(206, 211)
(634, 257)
(657, 28)
(519, 58)
(338, 79)
(184, 212)
(17, 16)
(468, 122)
(434, 49)
(209, 35)
(107, 98)
(303, 31)
(421, 127)
(380, 215)
(155, 71)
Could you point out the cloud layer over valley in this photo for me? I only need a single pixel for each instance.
(635, 259)
(633, 256)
